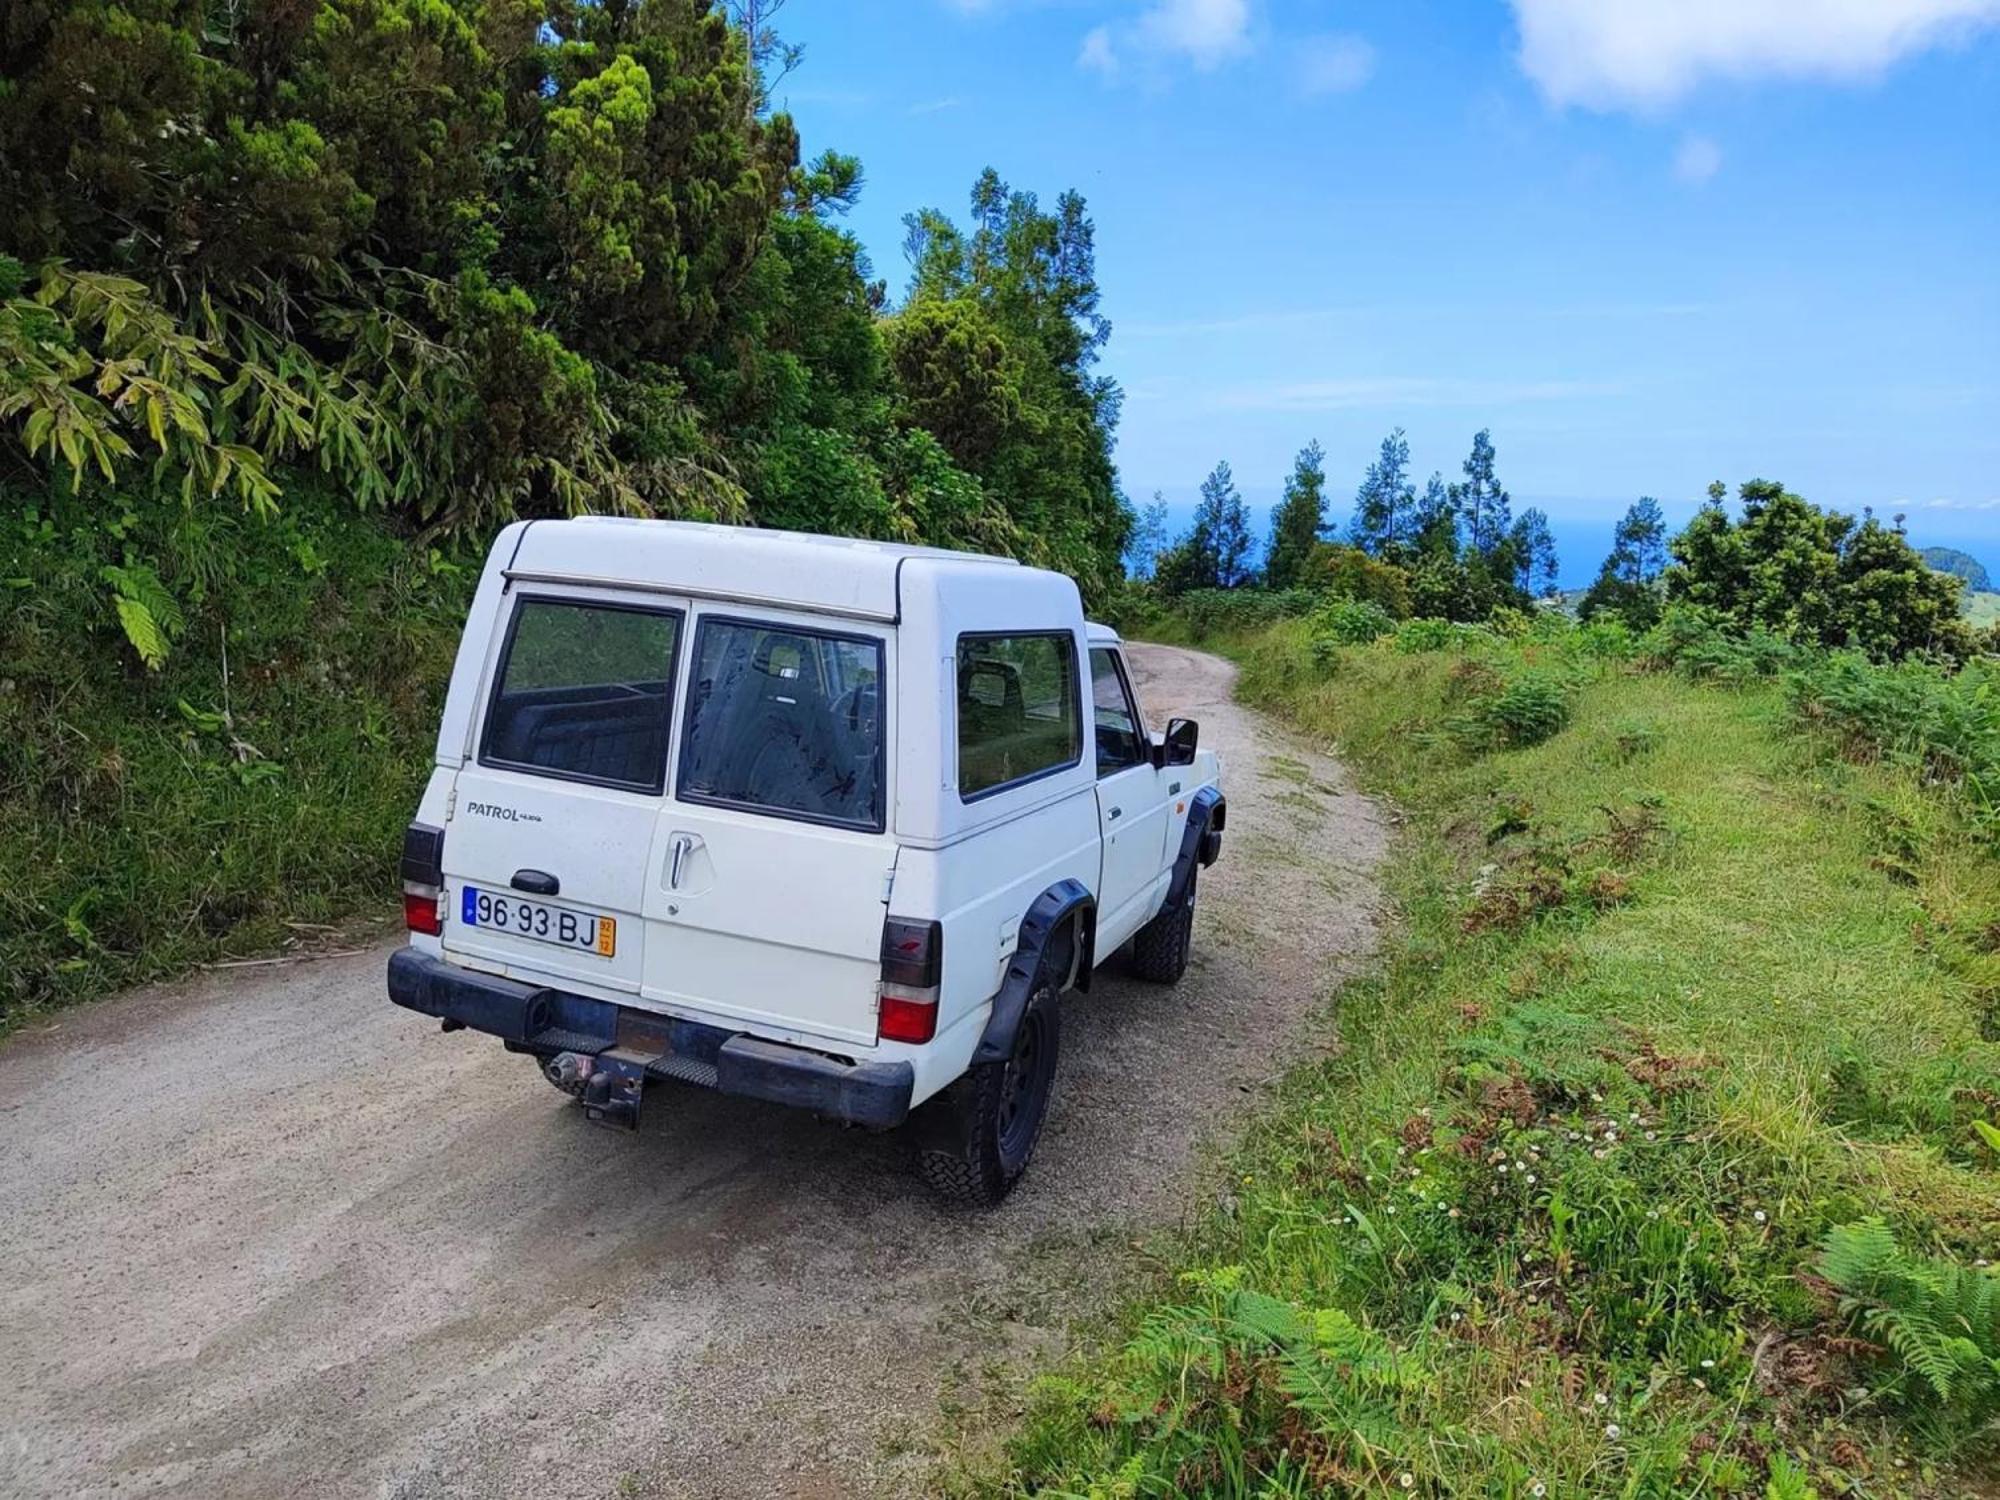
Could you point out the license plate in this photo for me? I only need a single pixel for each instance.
(498, 911)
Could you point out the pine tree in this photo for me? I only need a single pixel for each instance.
(1627, 584)
(1385, 505)
(1227, 522)
(1436, 527)
(1532, 548)
(1148, 540)
(1300, 516)
(1483, 500)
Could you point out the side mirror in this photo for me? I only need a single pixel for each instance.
(1178, 746)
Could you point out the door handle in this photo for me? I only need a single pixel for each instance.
(681, 847)
(535, 882)
(1173, 789)
(1114, 812)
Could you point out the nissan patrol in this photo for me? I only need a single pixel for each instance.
(827, 822)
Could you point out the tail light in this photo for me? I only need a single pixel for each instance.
(912, 961)
(423, 879)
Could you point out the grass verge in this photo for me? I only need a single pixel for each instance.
(257, 780)
(1658, 1157)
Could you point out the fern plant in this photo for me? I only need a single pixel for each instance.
(1939, 1319)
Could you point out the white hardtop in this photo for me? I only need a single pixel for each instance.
(1101, 635)
(927, 596)
(788, 569)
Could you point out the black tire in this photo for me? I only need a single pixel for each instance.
(980, 1134)
(1160, 948)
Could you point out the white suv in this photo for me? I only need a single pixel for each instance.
(827, 822)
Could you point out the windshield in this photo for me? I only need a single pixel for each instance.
(787, 721)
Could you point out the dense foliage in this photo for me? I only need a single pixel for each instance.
(300, 299)
(1815, 576)
(476, 258)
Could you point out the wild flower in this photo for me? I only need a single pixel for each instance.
(1612, 1431)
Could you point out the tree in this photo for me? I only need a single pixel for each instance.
(1532, 549)
(1628, 584)
(1149, 539)
(1299, 519)
(1226, 522)
(1483, 503)
(1437, 520)
(1814, 576)
(1384, 507)
(1213, 553)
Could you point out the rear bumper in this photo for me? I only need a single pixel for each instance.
(545, 1022)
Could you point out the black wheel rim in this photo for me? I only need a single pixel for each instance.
(1023, 1085)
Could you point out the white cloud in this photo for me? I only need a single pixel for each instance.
(1205, 33)
(1611, 54)
(1334, 64)
(1697, 159)
(1097, 54)
(1404, 391)
(934, 106)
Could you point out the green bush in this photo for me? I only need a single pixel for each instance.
(1530, 705)
(1215, 612)
(1432, 634)
(1351, 622)
(1698, 642)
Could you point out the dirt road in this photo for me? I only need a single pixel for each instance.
(265, 1234)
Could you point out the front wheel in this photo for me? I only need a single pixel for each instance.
(1160, 949)
(982, 1130)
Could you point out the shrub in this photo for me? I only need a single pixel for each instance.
(1530, 706)
(1351, 622)
(1353, 573)
(1211, 612)
(1432, 634)
(1698, 642)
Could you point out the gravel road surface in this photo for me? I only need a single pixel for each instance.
(266, 1235)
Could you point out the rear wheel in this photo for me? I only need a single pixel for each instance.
(1160, 949)
(983, 1129)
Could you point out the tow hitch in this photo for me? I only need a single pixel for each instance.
(608, 1086)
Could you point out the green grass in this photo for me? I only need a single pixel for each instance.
(1676, 992)
(151, 820)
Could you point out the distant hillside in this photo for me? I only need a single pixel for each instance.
(1964, 564)
(1982, 607)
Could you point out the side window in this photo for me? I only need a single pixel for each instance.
(1018, 710)
(1120, 745)
(584, 693)
(785, 721)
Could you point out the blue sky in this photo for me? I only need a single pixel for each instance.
(1649, 243)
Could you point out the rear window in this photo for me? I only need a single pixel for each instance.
(785, 721)
(583, 693)
(1018, 714)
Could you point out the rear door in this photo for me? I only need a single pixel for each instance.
(1131, 804)
(771, 868)
(555, 813)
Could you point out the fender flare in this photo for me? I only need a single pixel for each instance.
(1208, 813)
(1055, 906)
